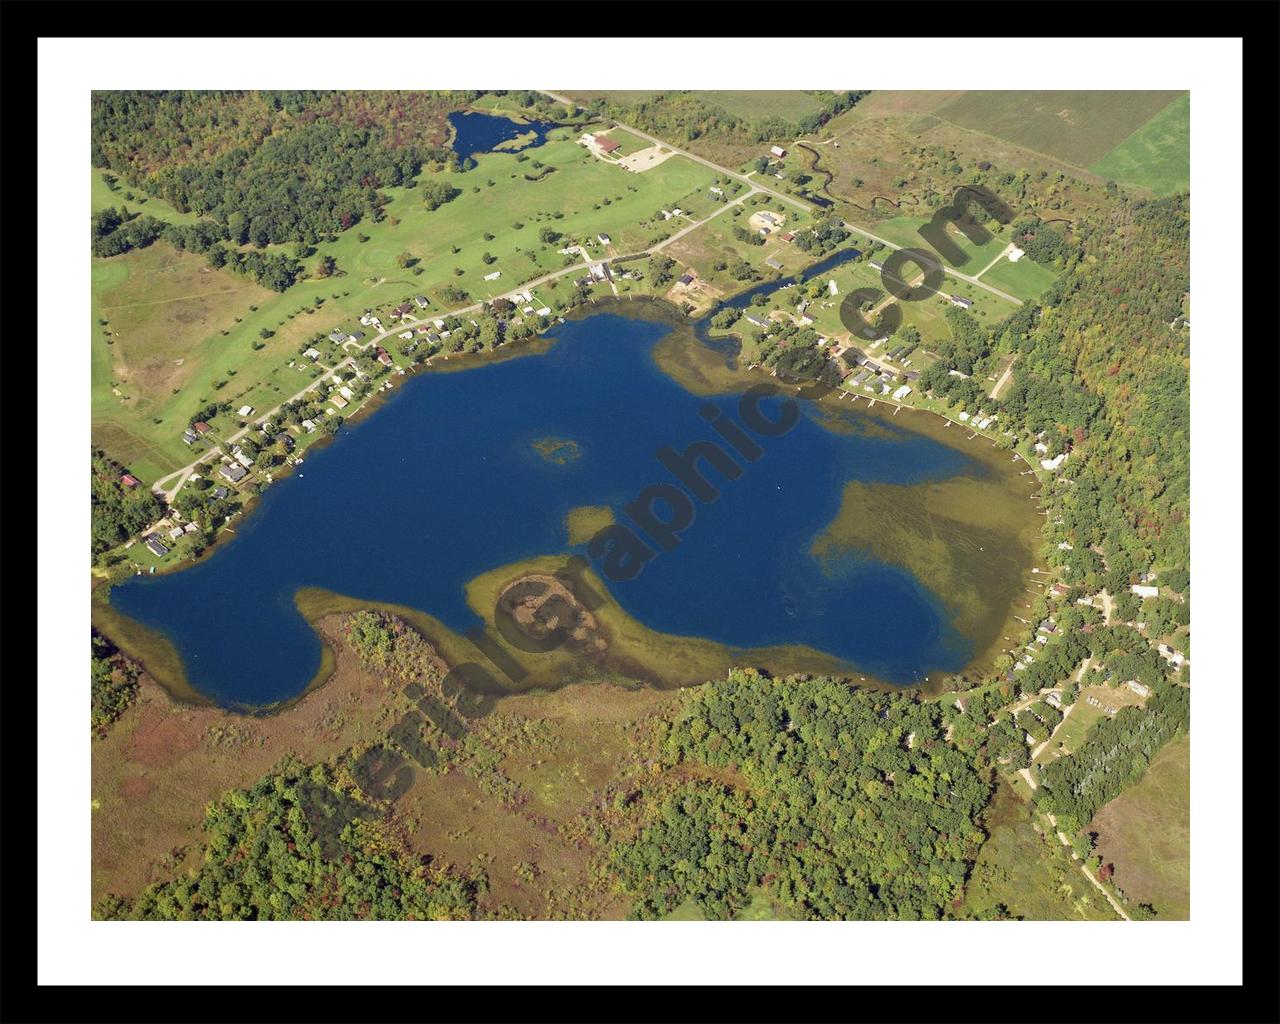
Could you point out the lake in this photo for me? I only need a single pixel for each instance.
(482, 133)
(463, 472)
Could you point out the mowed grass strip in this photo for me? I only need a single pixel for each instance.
(1146, 833)
(756, 104)
(1157, 156)
(1080, 127)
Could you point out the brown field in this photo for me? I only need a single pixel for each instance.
(898, 148)
(1078, 126)
(555, 754)
(168, 305)
(1146, 833)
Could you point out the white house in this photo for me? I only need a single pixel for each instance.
(1015, 254)
(902, 392)
(494, 276)
(832, 287)
(777, 151)
(1145, 591)
(1054, 463)
(311, 354)
(246, 410)
(1138, 688)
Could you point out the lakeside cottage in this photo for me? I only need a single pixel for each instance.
(156, 547)
(233, 472)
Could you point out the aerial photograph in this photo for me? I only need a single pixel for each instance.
(681, 505)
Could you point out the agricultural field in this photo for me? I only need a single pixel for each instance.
(895, 153)
(1146, 833)
(749, 105)
(1156, 157)
(1078, 126)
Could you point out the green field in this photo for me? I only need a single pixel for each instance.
(1146, 832)
(1157, 156)
(1026, 279)
(753, 105)
(1080, 127)
(905, 231)
(101, 197)
(581, 198)
(627, 142)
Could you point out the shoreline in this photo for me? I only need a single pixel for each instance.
(135, 639)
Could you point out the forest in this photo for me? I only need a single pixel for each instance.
(266, 859)
(840, 803)
(118, 511)
(271, 167)
(1115, 755)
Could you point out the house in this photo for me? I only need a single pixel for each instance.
(902, 392)
(753, 319)
(494, 276)
(245, 410)
(606, 144)
(771, 262)
(1144, 591)
(244, 460)
(964, 417)
(1015, 254)
(911, 375)
(606, 240)
(407, 336)
(233, 472)
(1054, 463)
(1138, 688)
(777, 151)
(175, 533)
(421, 301)
(716, 191)
(1041, 448)
(219, 493)
(201, 427)
(383, 357)
(367, 320)
(356, 336)
(769, 217)
(191, 527)
(787, 236)
(129, 480)
(686, 279)
(1060, 590)
(544, 311)
(960, 300)
(1054, 699)
(337, 335)
(832, 287)
(312, 354)
(157, 548)
(877, 264)
(346, 393)
(402, 309)
(339, 401)
(309, 426)
(189, 436)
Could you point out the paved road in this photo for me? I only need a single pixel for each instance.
(807, 207)
(181, 475)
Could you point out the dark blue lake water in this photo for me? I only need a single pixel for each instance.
(479, 133)
(445, 483)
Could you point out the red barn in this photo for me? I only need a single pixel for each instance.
(129, 480)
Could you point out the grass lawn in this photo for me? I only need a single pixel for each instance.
(1146, 833)
(169, 306)
(101, 197)
(627, 143)
(1079, 126)
(1025, 279)
(1158, 155)
(905, 231)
